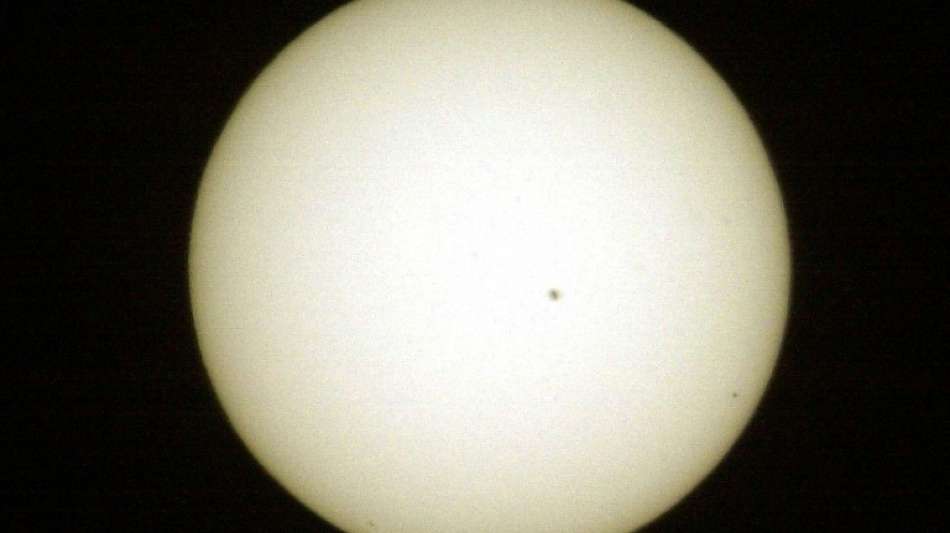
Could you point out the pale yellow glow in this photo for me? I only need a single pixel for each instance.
(379, 230)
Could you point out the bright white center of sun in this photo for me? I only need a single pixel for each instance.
(489, 266)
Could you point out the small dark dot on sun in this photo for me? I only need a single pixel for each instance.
(735, 394)
(554, 294)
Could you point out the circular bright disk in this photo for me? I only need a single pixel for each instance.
(489, 266)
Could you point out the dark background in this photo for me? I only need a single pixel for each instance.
(110, 421)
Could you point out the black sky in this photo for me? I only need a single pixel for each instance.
(111, 424)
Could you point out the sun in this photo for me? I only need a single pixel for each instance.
(489, 266)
